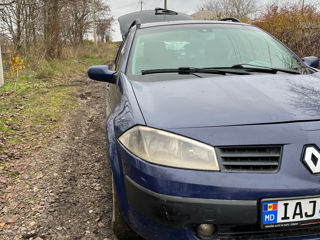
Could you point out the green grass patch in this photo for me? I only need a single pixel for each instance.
(33, 105)
(34, 110)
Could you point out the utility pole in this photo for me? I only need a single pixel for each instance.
(1, 70)
(141, 3)
(165, 4)
(93, 7)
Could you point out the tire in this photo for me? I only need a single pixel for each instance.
(119, 225)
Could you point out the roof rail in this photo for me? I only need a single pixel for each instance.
(230, 19)
(162, 11)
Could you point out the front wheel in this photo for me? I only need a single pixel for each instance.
(119, 225)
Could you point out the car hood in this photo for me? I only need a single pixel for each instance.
(232, 100)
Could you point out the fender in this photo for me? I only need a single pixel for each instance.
(125, 115)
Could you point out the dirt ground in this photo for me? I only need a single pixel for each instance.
(64, 192)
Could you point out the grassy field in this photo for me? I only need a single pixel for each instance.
(33, 105)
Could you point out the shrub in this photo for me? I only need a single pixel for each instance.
(298, 28)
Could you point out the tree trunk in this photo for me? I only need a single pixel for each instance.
(19, 23)
(52, 29)
(1, 70)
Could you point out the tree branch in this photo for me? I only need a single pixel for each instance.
(7, 4)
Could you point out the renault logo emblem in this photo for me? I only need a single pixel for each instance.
(311, 159)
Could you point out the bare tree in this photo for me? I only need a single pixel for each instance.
(103, 19)
(103, 27)
(18, 22)
(6, 3)
(11, 17)
(77, 19)
(231, 8)
(50, 23)
(51, 28)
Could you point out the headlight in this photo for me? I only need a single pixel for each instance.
(169, 149)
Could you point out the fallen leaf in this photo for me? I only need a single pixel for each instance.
(11, 220)
(32, 224)
(39, 176)
(8, 189)
(3, 180)
(13, 205)
(7, 196)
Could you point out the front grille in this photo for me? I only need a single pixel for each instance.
(249, 158)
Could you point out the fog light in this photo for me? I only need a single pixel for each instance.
(205, 230)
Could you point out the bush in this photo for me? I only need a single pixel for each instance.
(298, 28)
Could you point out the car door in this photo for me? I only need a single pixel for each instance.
(113, 89)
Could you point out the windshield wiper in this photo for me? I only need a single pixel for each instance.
(256, 68)
(191, 70)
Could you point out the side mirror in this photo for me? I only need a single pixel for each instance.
(101, 73)
(311, 61)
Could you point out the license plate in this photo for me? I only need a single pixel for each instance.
(290, 212)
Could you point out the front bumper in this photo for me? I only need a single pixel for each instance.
(177, 212)
(173, 217)
(155, 214)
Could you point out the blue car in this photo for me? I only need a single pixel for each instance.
(213, 132)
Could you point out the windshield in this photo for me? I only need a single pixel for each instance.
(207, 45)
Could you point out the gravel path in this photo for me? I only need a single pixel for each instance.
(65, 191)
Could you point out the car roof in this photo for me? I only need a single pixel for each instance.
(156, 24)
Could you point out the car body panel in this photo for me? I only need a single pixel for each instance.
(220, 101)
(123, 113)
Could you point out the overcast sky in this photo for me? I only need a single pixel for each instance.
(122, 7)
